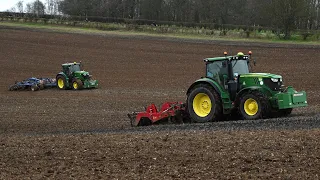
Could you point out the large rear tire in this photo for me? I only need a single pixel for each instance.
(61, 82)
(204, 104)
(254, 105)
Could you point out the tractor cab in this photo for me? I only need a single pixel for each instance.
(223, 69)
(70, 68)
(227, 70)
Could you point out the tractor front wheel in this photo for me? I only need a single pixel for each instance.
(254, 105)
(77, 84)
(61, 82)
(204, 104)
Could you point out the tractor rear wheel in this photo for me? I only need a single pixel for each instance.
(204, 104)
(254, 105)
(77, 84)
(61, 82)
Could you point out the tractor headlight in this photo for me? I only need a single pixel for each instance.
(274, 80)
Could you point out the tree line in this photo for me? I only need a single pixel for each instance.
(286, 15)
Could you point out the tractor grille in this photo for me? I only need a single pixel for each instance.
(256, 81)
(274, 86)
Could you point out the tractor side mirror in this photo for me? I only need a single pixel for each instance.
(254, 61)
(81, 65)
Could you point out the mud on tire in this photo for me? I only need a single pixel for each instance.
(258, 99)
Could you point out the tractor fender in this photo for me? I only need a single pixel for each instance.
(214, 84)
(65, 76)
(224, 95)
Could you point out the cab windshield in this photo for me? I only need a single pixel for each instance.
(240, 66)
(75, 67)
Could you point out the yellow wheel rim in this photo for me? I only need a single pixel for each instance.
(202, 104)
(75, 85)
(60, 83)
(251, 107)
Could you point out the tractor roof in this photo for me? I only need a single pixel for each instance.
(217, 58)
(70, 64)
(245, 57)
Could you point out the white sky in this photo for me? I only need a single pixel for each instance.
(8, 4)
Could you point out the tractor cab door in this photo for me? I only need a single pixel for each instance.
(218, 71)
(68, 71)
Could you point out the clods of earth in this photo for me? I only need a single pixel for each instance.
(86, 134)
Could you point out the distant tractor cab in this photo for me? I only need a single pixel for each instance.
(230, 89)
(73, 77)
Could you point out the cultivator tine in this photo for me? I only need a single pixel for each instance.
(132, 116)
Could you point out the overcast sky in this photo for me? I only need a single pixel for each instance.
(8, 4)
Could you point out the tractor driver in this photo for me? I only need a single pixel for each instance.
(69, 72)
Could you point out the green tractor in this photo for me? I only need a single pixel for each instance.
(230, 90)
(72, 77)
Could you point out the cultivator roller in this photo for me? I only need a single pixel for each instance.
(170, 112)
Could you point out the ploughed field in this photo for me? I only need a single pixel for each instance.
(86, 134)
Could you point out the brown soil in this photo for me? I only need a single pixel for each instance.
(132, 73)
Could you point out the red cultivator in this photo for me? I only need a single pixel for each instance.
(171, 112)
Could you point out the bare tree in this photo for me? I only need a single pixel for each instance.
(52, 7)
(29, 8)
(20, 7)
(13, 9)
(36, 8)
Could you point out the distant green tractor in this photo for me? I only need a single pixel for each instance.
(230, 90)
(72, 77)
